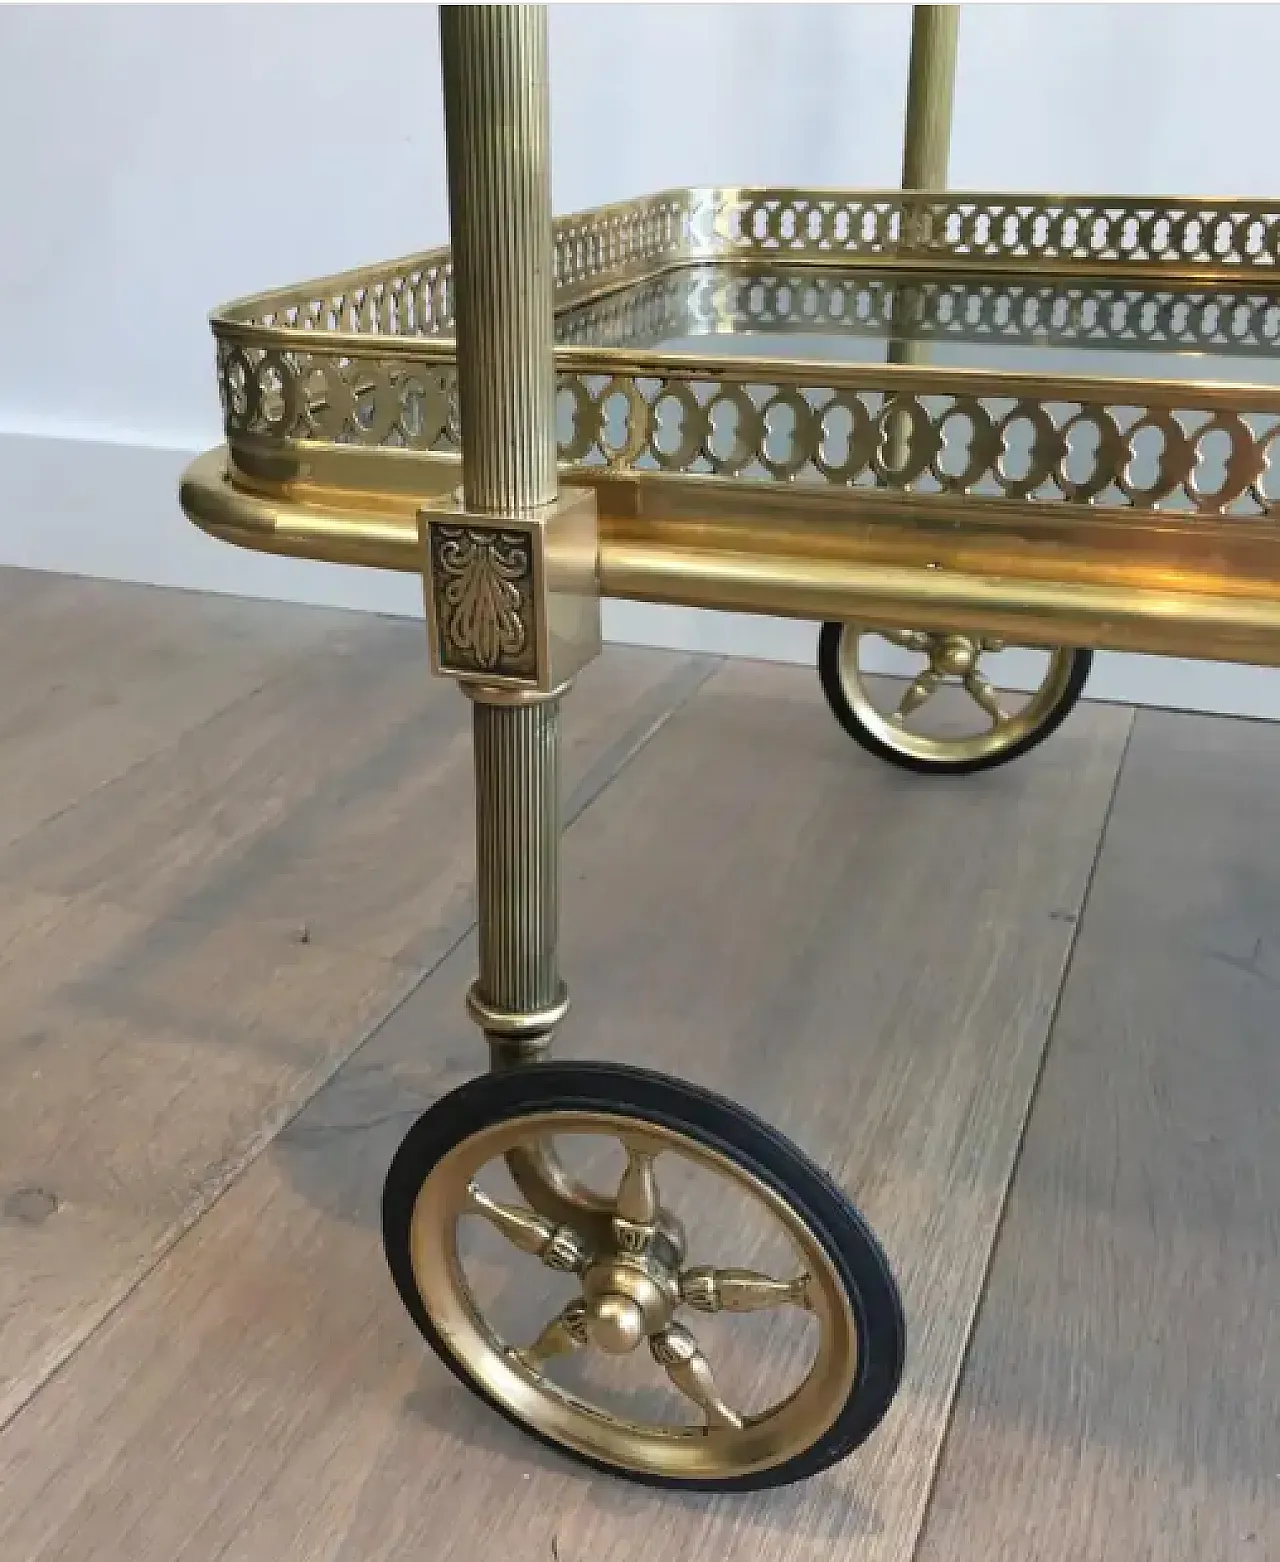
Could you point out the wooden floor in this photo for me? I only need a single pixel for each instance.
(1031, 1020)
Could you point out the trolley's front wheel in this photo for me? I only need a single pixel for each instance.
(682, 1350)
(993, 728)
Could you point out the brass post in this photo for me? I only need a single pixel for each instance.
(926, 150)
(926, 145)
(519, 996)
(497, 129)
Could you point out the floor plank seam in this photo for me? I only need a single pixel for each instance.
(974, 1322)
(218, 1186)
(689, 679)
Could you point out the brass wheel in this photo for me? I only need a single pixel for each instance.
(631, 1363)
(976, 725)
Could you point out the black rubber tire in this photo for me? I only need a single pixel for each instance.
(721, 1125)
(829, 676)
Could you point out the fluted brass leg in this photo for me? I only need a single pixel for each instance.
(930, 92)
(497, 129)
(926, 151)
(510, 564)
(518, 997)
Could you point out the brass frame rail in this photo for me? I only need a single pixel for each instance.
(1086, 581)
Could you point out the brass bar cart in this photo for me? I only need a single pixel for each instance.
(1049, 421)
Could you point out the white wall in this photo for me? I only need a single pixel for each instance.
(160, 160)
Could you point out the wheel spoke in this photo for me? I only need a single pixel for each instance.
(637, 1204)
(984, 696)
(923, 687)
(563, 1335)
(557, 1246)
(908, 639)
(550, 1368)
(676, 1350)
(741, 1290)
(545, 1185)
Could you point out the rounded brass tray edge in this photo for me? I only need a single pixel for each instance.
(381, 534)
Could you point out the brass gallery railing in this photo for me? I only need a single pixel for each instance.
(1095, 506)
(365, 359)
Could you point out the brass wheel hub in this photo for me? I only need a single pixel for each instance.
(626, 1302)
(627, 1256)
(952, 659)
(954, 656)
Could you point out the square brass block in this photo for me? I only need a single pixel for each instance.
(512, 601)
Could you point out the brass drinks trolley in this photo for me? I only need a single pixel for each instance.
(998, 419)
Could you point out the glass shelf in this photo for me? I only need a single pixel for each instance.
(1067, 327)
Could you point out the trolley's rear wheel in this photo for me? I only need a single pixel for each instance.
(998, 728)
(828, 1304)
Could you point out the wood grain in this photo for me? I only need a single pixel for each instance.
(1120, 1399)
(869, 959)
(140, 1067)
(338, 799)
(191, 949)
(99, 676)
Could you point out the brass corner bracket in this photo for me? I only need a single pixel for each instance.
(513, 602)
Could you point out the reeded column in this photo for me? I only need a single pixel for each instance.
(926, 146)
(498, 132)
(926, 151)
(497, 127)
(519, 995)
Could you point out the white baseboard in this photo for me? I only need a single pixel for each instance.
(107, 508)
(110, 510)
